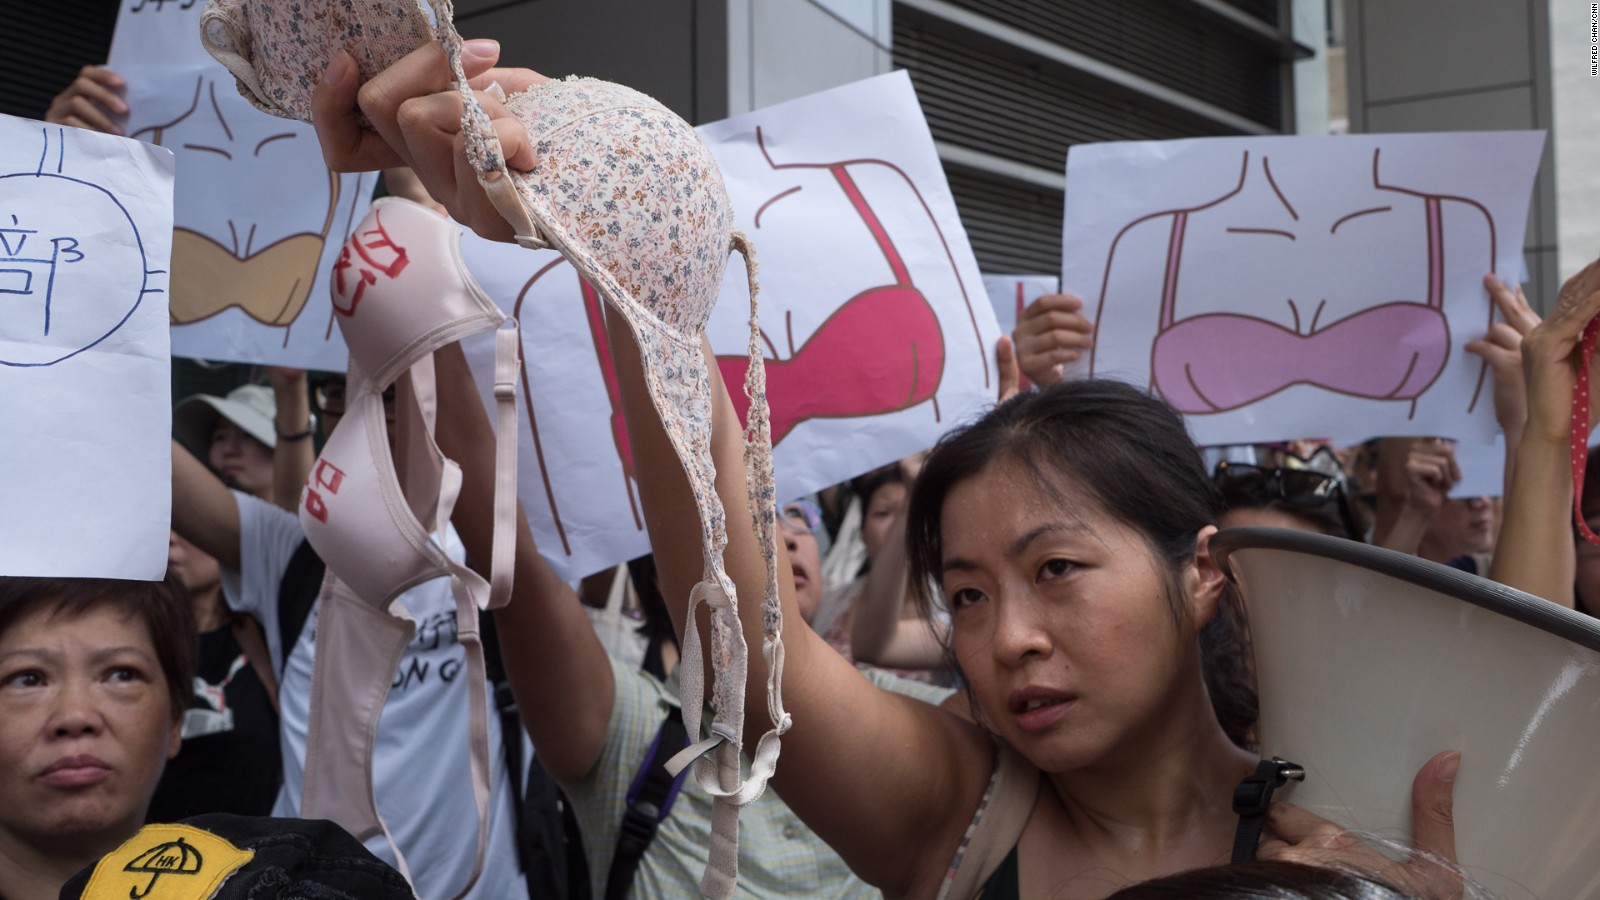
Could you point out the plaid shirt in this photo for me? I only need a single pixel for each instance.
(778, 855)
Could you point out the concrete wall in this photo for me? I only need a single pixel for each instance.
(1312, 97)
(674, 50)
(705, 59)
(782, 49)
(1459, 65)
(1575, 97)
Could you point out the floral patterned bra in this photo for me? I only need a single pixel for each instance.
(630, 195)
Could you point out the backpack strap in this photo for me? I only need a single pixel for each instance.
(297, 593)
(247, 634)
(549, 842)
(650, 798)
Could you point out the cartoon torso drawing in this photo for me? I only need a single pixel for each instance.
(1378, 338)
(222, 255)
(54, 268)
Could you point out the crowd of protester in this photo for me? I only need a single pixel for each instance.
(1047, 563)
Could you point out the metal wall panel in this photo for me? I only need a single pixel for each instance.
(44, 44)
(1176, 44)
(986, 95)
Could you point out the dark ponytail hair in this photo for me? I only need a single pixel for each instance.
(1131, 454)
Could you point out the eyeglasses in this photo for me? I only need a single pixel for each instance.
(1295, 488)
(800, 517)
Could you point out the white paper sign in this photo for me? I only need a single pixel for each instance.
(1483, 469)
(260, 219)
(1291, 287)
(85, 370)
(879, 335)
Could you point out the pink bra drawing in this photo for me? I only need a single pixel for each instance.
(1218, 362)
(851, 366)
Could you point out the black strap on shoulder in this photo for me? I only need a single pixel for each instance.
(297, 593)
(549, 844)
(1253, 797)
(649, 802)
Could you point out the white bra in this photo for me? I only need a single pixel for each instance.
(400, 293)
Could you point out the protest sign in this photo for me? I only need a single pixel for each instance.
(85, 239)
(259, 216)
(1286, 287)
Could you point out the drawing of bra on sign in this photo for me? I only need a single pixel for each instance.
(881, 350)
(1391, 350)
(54, 268)
(224, 258)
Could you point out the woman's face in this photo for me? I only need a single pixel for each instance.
(87, 726)
(805, 560)
(243, 461)
(1060, 618)
(197, 570)
(885, 502)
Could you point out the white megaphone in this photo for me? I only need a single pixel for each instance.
(1369, 662)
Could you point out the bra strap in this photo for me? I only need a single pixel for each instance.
(1580, 427)
(507, 363)
(483, 144)
(358, 649)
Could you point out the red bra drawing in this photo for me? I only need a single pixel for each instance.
(881, 351)
(1216, 362)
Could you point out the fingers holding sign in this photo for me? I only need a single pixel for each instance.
(1051, 333)
(1005, 357)
(93, 100)
(1548, 355)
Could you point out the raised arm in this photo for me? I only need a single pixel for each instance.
(559, 672)
(896, 825)
(1535, 551)
(293, 455)
(204, 511)
(1415, 476)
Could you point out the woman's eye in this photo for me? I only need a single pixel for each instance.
(1054, 568)
(23, 679)
(124, 674)
(965, 597)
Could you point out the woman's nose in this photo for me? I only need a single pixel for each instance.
(76, 713)
(1019, 632)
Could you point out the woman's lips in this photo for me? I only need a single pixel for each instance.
(1039, 708)
(75, 771)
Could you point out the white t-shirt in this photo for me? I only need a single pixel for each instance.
(420, 760)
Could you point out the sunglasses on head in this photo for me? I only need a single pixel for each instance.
(328, 396)
(1295, 488)
(800, 517)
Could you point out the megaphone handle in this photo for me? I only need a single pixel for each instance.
(1580, 426)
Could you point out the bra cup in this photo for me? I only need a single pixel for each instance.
(1222, 361)
(406, 260)
(633, 195)
(876, 373)
(367, 535)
